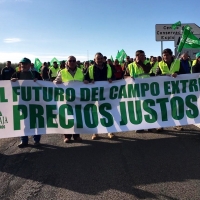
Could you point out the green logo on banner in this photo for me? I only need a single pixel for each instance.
(3, 121)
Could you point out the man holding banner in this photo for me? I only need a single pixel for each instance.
(172, 67)
(141, 68)
(71, 73)
(169, 65)
(100, 71)
(185, 62)
(27, 74)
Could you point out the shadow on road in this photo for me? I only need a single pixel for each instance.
(99, 166)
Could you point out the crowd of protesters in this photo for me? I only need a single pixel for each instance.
(101, 69)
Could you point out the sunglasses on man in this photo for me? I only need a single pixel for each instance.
(72, 61)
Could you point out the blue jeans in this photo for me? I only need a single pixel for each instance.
(36, 138)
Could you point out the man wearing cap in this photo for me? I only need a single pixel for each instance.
(70, 73)
(26, 74)
(196, 67)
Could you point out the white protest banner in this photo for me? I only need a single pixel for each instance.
(28, 108)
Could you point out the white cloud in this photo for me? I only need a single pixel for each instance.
(12, 40)
(15, 57)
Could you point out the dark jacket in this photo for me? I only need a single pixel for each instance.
(6, 73)
(186, 66)
(196, 68)
(125, 68)
(28, 75)
(45, 73)
(99, 74)
(118, 73)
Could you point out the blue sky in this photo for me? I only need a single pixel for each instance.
(59, 28)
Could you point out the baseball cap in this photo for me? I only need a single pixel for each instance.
(25, 60)
(198, 55)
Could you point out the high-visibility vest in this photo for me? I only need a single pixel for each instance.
(154, 67)
(130, 68)
(66, 76)
(54, 71)
(194, 62)
(175, 66)
(91, 72)
(135, 70)
(190, 64)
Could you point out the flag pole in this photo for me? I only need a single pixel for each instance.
(161, 47)
(179, 51)
(175, 61)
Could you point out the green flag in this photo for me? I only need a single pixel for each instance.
(186, 33)
(118, 54)
(111, 58)
(37, 64)
(122, 56)
(177, 24)
(54, 60)
(192, 41)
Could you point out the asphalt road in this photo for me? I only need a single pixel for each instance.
(162, 165)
